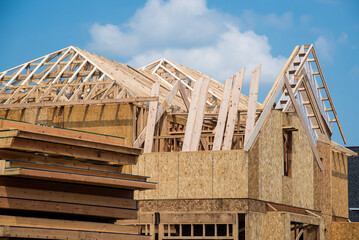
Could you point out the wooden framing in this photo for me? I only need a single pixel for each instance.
(233, 110)
(252, 103)
(222, 116)
(151, 121)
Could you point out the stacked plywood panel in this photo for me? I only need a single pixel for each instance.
(65, 184)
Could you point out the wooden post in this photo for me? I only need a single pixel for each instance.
(201, 104)
(151, 120)
(191, 120)
(252, 102)
(233, 110)
(222, 116)
(161, 109)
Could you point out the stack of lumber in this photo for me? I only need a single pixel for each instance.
(65, 184)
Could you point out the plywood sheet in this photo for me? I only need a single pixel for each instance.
(302, 167)
(195, 175)
(167, 175)
(230, 171)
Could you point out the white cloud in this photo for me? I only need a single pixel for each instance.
(189, 33)
(325, 47)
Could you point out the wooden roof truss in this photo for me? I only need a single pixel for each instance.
(65, 75)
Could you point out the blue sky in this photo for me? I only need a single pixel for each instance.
(214, 37)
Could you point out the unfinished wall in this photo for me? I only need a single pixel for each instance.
(277, 225)
(193, 175)
(340, 185)
(266, 226)
(115, 120)
(344, 230)
(266, 164)
(324, 150)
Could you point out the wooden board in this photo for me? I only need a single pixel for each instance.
(66, 187)
(72, 134)
(252, 102)
(151, 120)
(78, 178)
(66, 208)
(222, 116)
(233, 110)
(47, 233)
(64, 197)
(53, 148)
(65, 224)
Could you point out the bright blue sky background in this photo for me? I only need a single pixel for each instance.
(215, 37)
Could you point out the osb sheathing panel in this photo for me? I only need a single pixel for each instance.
(324, 151)
(270, 168)
(287, 191)
(193, 175)
(266, 164)
(317, 176)
(224, 218)
(327, 225)
(344, 231)
(201, 205)
(302, 167)
(115, 120)
(269, 225)
(340, 185)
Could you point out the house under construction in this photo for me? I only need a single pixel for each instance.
(83, 137)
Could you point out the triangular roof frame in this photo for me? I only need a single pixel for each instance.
(168, 71)
(72, 75)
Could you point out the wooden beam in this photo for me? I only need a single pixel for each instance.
(201, 104)
(161, 110)
(49, 86)
(184, 97)
(20, 232)
(252, 102)
(76, 103)
(66, 208)
(151, 120)
(233, 110)
(222, 116)
(65, 197)
(53, 148)
(62, 167)
(266, 110)
(65, 224)
(279, 78)
(68, 133)
(79, 178)
(191, 120)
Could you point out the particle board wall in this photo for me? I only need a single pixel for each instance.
(111, 119)
(266, 164)
(271, 225)
(277, 225)
(324, 151)
(195, 175)
(344, 230)
(340, 185)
